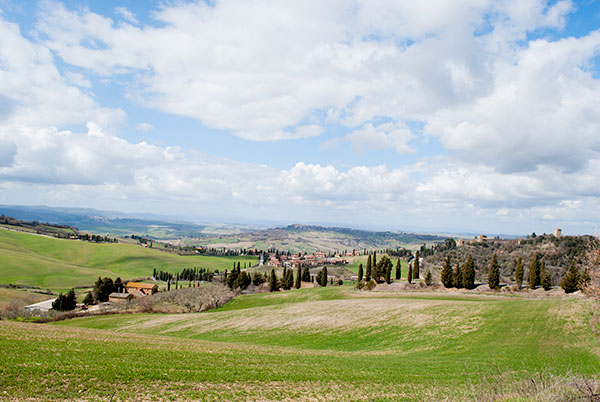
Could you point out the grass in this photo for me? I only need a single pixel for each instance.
(332, 344)
(56, 264)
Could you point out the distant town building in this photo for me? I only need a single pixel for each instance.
(557, 232)
(141, 289)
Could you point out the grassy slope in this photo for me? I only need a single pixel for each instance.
(58, 264)
(340, 345)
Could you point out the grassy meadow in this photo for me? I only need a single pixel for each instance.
(320, 344)
(57, 264)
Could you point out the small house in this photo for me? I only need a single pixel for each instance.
(119, 297)
(45, 305)
(141, 289)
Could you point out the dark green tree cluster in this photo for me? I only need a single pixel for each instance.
(571, 282)
(383, 270)
(287, 280)
(258, 278)
(238, 278)
(65, 302)
(494, 274)
(322, 277)
(102, 289)
(461, 277)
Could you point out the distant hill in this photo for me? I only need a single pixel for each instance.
(310, 238)
(116, 223)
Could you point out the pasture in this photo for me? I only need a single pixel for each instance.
(326, 344)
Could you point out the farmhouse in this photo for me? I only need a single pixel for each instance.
(45, 305)
(120, 297)
(141, 289)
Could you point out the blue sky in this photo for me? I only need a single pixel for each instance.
(478, 116)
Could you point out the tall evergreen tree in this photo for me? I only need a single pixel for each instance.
(305, 274)
(494, 274)
(298, 283)
(519, 271)
(468, 272)
(374, 262)
(119, 285)
(273, 285)
(410, 272)
(457, 276)
(416, 268)
(428, 279)
(388, 273)
(398, 269)
(447, 276)
(535, 272)
(585, 280)
(360, 272)
(368, 273)
(572, 279)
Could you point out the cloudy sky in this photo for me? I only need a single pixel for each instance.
(437, 115)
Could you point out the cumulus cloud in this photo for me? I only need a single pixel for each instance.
(518, 116)
(270, 72)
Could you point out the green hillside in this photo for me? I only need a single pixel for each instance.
(328, 344)
(28, 259)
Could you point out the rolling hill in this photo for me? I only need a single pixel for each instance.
(58, 264)
(326, 344)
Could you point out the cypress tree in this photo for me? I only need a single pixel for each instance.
(305, 274)
(409, 275)
(368, 273)
(374, 262)
(89, 299)
(457, 277)
(416, 267)
(428, 279)
(494, 274)
(519, 271)
(446, 276)
(273, 285)
(468, 272)
(388, 273)
(572, 280)
(534, 272)
(398, 269)
(546, 280)
(585, 280)
(360, 272)
(298, 279)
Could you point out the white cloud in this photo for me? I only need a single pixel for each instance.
(384, 136)
(143, 126)
(263, 70)
(126, 14)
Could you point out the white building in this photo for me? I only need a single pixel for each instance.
(45, 305)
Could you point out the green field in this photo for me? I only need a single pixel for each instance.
(325, 344)
(56, 264)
